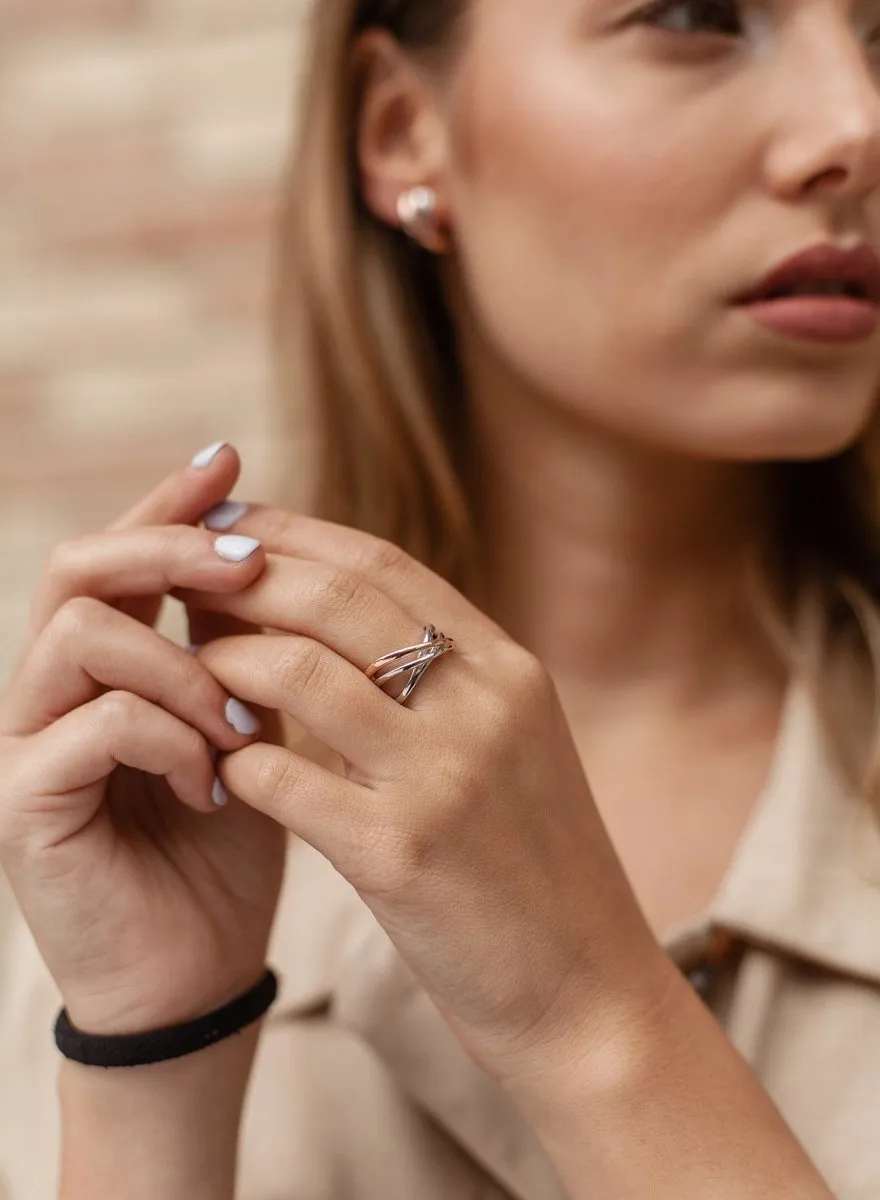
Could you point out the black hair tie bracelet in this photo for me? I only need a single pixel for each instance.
(174, 1041)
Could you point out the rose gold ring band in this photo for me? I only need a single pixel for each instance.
(419, 657)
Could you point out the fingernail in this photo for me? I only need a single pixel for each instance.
(241, 718)
(219, 794)
(205, 457)
(235, 548)
(193, 648)
(225, 515)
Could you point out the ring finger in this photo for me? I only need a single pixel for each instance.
(321, 691)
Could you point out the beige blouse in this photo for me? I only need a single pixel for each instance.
(360, 1092)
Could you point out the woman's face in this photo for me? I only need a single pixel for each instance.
(614, 180)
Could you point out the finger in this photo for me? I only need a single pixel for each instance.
(338, 608)
(63, 762)
(323, 692)
(143, 562)
(89, 647)
(184, 496)
(180, 499)
(331, 813)
(425, 595)
(206, 627)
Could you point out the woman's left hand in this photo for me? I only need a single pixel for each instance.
(464, 818)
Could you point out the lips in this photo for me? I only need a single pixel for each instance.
(822, 270)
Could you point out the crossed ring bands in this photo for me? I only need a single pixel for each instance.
(389, 666)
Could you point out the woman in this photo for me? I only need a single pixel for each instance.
(545, 297)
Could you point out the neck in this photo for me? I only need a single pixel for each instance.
(622, 568)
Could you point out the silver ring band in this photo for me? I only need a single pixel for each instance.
(420, 656)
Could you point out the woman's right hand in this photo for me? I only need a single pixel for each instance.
(149, 902)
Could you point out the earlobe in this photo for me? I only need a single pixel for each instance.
(417, 211)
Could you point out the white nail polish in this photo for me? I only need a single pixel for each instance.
(205, 457)
(225, 515)
(235, 548)
(219, 794)
(241, 718)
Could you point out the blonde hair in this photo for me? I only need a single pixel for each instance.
(367, 361)
(364, 344)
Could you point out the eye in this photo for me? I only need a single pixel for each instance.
(693, 16)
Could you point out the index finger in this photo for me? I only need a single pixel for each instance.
(183, 497)
(414, 586)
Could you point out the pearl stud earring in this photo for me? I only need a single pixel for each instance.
(417, 213)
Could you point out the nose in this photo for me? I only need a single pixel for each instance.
(828, 136)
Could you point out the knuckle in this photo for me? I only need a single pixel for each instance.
(185, 747)
(300, 666)
(66, 559)
(76, 615)
(521, 676)
(521, 688)
(186, 692)
(381, 556)
(340, 592)
(275, 522)
(530, 675)
(187, 677)
(192, 744)
(118, 708)
(173, 541)
(275, 777)
(497, 716)
(408, 850)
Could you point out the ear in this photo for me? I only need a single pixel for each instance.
(400, 137)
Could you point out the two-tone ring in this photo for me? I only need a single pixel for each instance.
(414, 660)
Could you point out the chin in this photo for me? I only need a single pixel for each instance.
(799, 424)
(801, 444)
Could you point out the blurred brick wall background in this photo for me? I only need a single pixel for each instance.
(140, 148)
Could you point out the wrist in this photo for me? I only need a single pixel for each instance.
(131, 1009)
(607, 1033)
(212, 1079)
(171, 1128)
(165, 1043)
(654, 1099)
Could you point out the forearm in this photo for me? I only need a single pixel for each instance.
(149, 1133)
(665, 1108)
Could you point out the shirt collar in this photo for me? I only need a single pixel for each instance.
(805, 878)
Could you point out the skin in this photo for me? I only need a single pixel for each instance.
(604, 352)
(598, 554)
(608, 187)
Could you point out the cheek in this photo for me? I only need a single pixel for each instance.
(603, 217)
(579, 211)
(549, 173)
